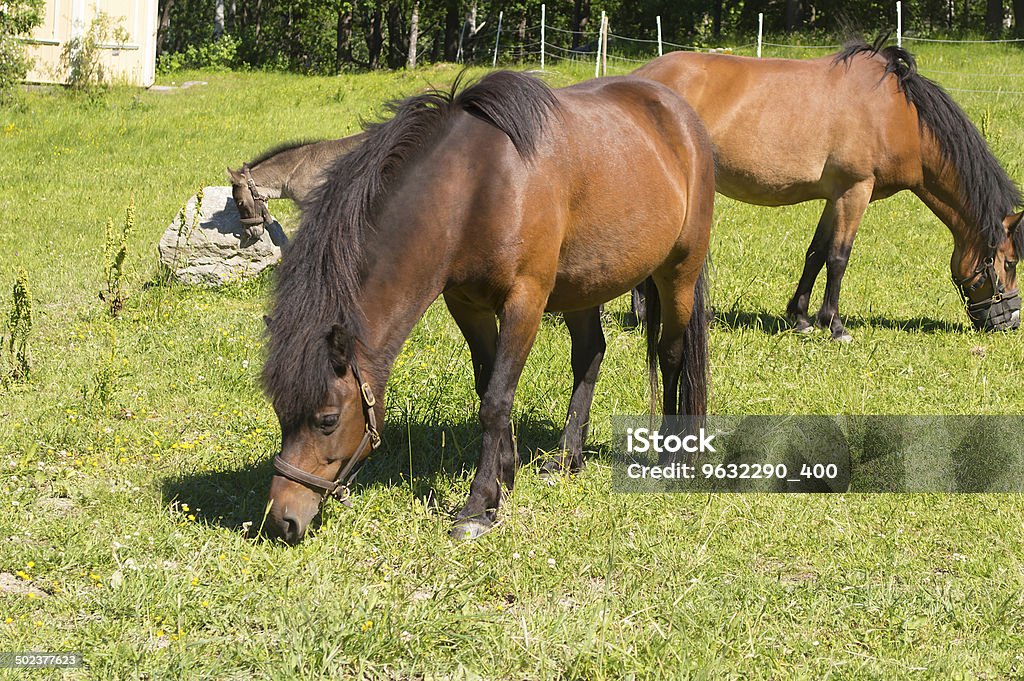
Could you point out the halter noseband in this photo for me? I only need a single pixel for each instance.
(261, 202)
(996, 311)
(339, 487)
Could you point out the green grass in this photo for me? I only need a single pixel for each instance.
(132, 462)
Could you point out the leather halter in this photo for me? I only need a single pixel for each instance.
(259, 200)
(992, 312)
(338, 488)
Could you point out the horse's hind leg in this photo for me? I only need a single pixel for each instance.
(814, 260)
(520, 318)
(849, 210)
(588, 347)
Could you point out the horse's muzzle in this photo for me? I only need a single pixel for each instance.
(1000, 313)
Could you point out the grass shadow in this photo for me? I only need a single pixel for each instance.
(773, 324)
(236, 498)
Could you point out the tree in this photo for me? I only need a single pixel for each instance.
(17, 18)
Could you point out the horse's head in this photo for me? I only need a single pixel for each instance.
(988, 282)
(253, 207)
(321, 448)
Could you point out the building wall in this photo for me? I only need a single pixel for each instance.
(134, 62)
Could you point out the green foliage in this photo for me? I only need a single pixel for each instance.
(328, 36)
(115, 250)
(216, 55)
(17, 18)
(19, 325)
(81, 58)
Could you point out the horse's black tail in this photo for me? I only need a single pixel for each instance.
(652, 323)
(693, 383)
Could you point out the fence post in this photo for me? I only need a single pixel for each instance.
(497, 38)
(660, 50)
(760, 32)
(604, 50)
(543, 13)
(597, 52)
(899, 23)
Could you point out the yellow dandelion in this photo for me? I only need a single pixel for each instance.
(23, 575)
(31, 564)
(8, 620)
(205, 604)
(31, 595)
(367, 625)
(159, 633)
(191, 517)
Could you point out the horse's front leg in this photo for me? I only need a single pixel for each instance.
(588, 347)
(519, 320)
(814, 260)
(849, 210)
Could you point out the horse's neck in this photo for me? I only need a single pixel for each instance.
(940, 191)
(406, 271)
(273, 174)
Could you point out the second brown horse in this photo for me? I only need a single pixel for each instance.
(853, 128)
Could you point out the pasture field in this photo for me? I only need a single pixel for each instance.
(134, 465)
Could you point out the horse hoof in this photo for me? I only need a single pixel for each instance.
(803, 326)
(466, 530)
(842, 337)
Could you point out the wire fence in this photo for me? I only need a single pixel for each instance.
(603, 49)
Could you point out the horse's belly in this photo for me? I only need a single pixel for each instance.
(596, 270)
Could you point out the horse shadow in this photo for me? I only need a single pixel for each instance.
(413, 453)
(773, 324)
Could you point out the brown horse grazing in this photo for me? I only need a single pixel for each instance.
(290, 171)
(853, 128)
(510, 199)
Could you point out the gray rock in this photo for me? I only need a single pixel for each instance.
(212, 249)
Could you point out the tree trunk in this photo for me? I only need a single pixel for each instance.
(396, 37)
(414, 35)
(165, 23)
(994, 17)
(792, 15)
(1018, 17)
(343, 48)
(452, 28)
(580, 21)
(218, 20)
(521, 34)
(375, 38)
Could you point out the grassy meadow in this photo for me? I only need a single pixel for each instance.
(134, 463)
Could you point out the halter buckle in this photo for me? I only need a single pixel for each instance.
(368, 399)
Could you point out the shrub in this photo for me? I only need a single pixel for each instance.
(217, 55)
(82, 57)
(17, 18)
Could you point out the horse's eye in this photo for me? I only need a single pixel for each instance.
(327, 422)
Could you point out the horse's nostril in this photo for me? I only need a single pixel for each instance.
(291, 529)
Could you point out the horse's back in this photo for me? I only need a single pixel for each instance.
(788, 130)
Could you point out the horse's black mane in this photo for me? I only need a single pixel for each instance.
(279, 149)
(317, 318)
(988, 192)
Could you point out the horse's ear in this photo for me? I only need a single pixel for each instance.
(236, 177)
(1012, 222)
(340, 346)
